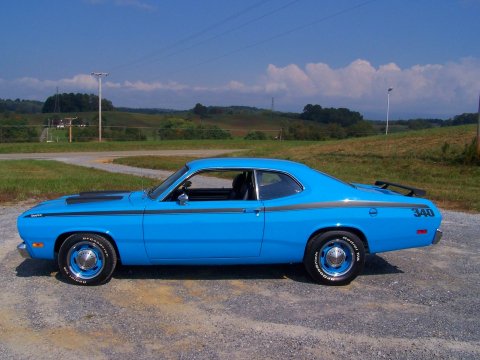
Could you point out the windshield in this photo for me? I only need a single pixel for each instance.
(156, 191)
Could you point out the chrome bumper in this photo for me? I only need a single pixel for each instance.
(22, 249)
(438, 236)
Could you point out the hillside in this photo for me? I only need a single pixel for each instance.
(239, 124)
(315, 123)
(431, 159)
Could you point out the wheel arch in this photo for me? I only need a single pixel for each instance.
(351, 229)
(61, 239)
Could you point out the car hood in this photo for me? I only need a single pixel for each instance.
(86, 201)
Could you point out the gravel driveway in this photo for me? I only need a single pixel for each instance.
(411, 304)
(101, 160)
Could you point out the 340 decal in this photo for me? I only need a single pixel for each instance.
(423, 212)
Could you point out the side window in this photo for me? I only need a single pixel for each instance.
(273, 185)
(212, 180)
(215, 185)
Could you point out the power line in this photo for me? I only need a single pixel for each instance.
(192, 36)
(224, 32)
(274, 37)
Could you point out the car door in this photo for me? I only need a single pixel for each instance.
(203, 229)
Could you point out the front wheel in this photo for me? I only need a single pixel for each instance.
(87, 259)
(334, 257)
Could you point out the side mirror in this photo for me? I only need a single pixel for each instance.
(182, 199)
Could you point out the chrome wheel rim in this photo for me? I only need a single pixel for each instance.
(336, 257)
(85, 260)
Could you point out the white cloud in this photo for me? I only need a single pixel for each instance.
(448, 82)
(80, 81)
(449, 88)
(145, 86)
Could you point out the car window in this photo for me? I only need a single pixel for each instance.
(216, 185)
(273, 185)
(212, 179)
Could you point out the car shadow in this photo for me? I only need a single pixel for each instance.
(377, 265)
(36, 267)
(214, 272)
(374, 265)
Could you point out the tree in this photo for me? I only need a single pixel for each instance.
(341, 116)
(76, 103)
(200, 109)
(20, 106)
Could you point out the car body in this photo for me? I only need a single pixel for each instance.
(222, 211)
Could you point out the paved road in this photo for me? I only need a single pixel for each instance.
(100, 160)
(412, 304)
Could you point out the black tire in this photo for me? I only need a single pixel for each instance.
(334, 257)
(87, 259)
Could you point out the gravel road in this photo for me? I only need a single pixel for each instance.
(411, 304)
(101, 160)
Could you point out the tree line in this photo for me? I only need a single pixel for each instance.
(20, 106)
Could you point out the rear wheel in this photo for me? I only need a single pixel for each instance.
(87, 259)
(334, 257)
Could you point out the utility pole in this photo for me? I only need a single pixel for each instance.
(70, 127)
(272, 108)
(99, 76)
(56, 108)
(478, 128)
(388, 108)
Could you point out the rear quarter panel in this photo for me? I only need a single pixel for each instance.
(387, 221)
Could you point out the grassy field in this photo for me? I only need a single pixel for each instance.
(253, 120)
(40, 180)
(7, 148)
(425, 159)
(420, 159)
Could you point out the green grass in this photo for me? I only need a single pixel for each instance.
(414, 158)
(417, 158)
(255, 120)
(6, 148)
(238, 124)
(41, 179)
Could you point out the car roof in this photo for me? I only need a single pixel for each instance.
(248, 163)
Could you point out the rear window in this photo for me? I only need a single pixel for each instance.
(274, 185)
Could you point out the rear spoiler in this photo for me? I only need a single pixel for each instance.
(412, 191)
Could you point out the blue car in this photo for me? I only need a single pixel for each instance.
(231, 211)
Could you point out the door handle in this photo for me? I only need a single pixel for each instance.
(256, 211)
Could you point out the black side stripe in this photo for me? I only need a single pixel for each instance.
(345, 204)
(88, 213)
(195, 211)
(309, 206)
(138, 212)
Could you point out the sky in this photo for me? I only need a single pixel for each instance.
(176, 53)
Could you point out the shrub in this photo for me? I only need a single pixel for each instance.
(256, 135)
